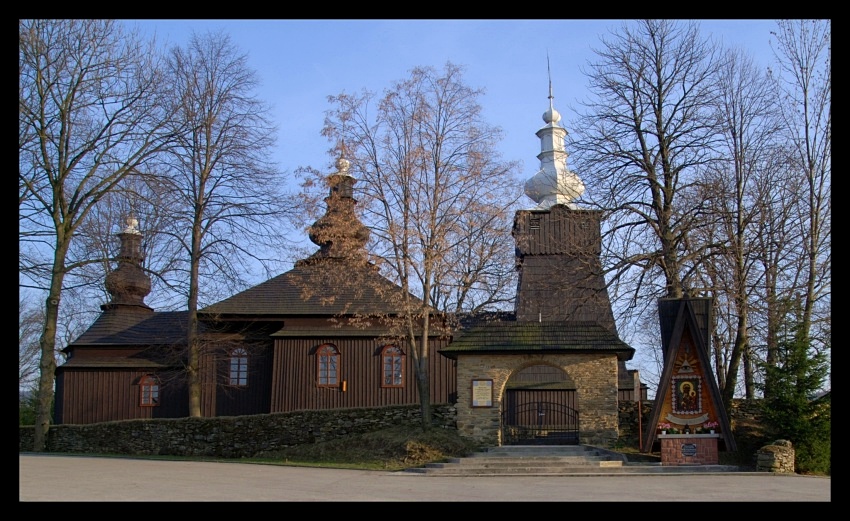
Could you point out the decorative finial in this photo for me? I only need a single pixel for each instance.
(132, 225)
(342, 165)
(554, 183)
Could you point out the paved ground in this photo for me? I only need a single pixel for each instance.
(49, 477)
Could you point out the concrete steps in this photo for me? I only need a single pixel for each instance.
(554, 460)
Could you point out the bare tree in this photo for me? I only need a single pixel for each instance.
(735, 189)
(641, 143)
(228, 207)
(480, 266)
(804, 53)
(645, 137)
(683, 148)
(432, 185)
(90, 115)
(30, 323)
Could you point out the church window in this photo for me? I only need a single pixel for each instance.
(327, 364)
(239, 367)
(393, 367)
(149, 391)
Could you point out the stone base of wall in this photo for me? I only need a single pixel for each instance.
(229, 436)
(689, 449)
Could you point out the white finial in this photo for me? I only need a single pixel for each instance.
(342, 165)
(554, 183)
(132, 225)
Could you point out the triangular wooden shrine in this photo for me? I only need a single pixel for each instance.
(687, 396)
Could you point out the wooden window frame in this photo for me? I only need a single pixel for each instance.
(238, 374)
(149, 391)
(395, 357)
(327, 366)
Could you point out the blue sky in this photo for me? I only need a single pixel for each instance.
(301, 62)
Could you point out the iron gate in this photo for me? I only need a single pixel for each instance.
(539, 423)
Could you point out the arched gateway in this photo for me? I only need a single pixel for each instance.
(539, 407)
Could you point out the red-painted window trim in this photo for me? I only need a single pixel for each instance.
(327, 366)
(392, 367)
(149, 391)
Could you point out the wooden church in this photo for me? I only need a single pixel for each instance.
(551, 371)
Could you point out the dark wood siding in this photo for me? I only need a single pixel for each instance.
(294, 376)
(98, 395)
(558, 231)
(560, 274)
(668, 312)
(540, 376)
(628, 395)
(251, 399)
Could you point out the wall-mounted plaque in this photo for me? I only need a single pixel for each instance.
(482, 393)
(689, 449)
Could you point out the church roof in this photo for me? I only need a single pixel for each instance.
(118, 331)
(315, 290)
(135, 329)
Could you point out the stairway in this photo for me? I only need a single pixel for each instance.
(554, 460)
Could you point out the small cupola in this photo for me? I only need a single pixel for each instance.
(128, 284)
(339, 233)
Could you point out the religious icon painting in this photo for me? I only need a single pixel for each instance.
(687, 395)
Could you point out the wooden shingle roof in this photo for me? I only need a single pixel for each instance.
(511, 337)
(127, 332)
(307, 290)
(128, 329)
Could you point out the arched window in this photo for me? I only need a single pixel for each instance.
(392, 360)
(239, 366)
(149, 391)
(327, 365)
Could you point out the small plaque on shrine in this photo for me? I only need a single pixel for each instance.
(689, 449)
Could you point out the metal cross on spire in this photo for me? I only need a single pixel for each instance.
(549, 72)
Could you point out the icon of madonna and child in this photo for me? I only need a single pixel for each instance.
(687, 397)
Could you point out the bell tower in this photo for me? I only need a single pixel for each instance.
(557, 243)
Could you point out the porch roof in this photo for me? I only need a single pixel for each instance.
(511, 337)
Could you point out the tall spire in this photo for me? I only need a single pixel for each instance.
(554, 183)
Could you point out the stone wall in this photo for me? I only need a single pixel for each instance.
(629, 424)
(244, 436)
(229, 436)
(745, 418)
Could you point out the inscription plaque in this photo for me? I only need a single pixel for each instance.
(689, 449)
(482, 393)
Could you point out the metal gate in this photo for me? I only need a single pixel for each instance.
(539, 423)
